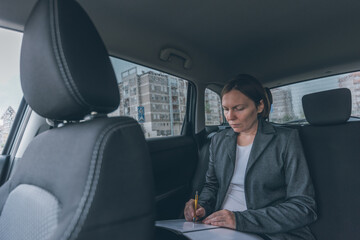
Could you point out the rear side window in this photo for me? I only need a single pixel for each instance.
(156, 100)
(287, 100)
(213, 108)
(10, 90)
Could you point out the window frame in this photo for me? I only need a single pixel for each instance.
(303, 121)
(158, 98)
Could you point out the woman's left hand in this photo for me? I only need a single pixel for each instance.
(222, 218)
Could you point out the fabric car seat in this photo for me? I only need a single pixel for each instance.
(330, 144)
(90, 177)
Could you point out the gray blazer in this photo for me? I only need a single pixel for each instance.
(278, 190)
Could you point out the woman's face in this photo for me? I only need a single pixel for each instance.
(241, 112)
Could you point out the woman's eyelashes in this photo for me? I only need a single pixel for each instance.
(238, 109)
(235, 109)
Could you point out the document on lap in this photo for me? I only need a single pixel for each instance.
(200, 231)
(181, 225)
(221, 233)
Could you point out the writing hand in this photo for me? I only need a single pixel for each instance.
(189, 210)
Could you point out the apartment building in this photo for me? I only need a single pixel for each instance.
(352, 82)
(157, 101)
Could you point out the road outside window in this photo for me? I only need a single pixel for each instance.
(156, 100)
(10, 90)
(287, 105)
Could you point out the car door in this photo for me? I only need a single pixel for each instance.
(164, 106)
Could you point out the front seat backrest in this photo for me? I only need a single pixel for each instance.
(90, 178)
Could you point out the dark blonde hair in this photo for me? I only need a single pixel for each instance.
(250, 87)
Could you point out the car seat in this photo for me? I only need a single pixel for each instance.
(90, 177)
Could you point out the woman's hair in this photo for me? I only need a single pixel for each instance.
(250, 87)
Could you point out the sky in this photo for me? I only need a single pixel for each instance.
(120, 66)
(10, 89)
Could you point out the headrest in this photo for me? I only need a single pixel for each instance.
(65, 68)
(328, 107)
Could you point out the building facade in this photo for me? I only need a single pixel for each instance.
(157, 101)
(213, 109)
(281, 109)
(6, 122)
(352, 82)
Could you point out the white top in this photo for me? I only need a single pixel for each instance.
(235, 197)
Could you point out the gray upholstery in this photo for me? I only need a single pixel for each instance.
(333, 154)
(32, 207)
(97, 172)
(327, 107)
(95, 169)
(333, 160)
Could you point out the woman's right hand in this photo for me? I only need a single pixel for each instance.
(189, 211)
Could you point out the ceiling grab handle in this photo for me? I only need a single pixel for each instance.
(166, 53)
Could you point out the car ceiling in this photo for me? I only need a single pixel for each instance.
(278, 42)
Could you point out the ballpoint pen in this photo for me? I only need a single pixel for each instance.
(196, 202)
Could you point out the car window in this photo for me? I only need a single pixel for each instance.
(10, 89)
(213, 109)
(287, 103)
(156, 100)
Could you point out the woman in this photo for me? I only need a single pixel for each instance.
(257, 180)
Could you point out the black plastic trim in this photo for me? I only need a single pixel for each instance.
(189, 120)
(4, 166)
(15, 127)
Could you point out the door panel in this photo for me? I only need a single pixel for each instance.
(174, 160)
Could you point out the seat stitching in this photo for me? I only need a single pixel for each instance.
(60, 57)
(92, 180)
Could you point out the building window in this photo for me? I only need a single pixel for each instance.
(287, 100)
(154, 99)
(213, 109)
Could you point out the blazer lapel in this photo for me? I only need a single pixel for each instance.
(231, 143)
(229, 164)
(262, 139)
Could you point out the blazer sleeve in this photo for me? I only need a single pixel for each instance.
(207, 197)
(298, 208)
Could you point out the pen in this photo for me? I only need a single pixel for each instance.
(196, 201)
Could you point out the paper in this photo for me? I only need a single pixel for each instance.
(181, 225)
(221, 233)
(200, 231)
